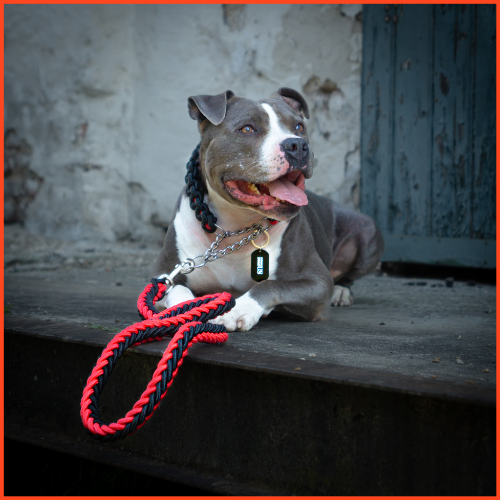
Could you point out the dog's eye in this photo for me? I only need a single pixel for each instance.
(247, 129)
(299, 127)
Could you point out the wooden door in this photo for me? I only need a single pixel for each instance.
(428, 131)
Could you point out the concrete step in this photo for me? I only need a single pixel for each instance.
(246, 418)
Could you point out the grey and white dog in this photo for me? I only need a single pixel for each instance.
(255, 158)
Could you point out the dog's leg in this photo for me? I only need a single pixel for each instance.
(304, 299)
(355, 253)
(244, 315)
(342, 296)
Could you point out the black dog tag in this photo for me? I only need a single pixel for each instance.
(259, 269)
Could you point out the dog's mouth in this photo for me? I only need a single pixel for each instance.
(283, 191)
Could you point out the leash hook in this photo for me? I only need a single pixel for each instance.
(168, 279)
(185, 267)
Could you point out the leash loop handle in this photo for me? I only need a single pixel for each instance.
(186, 322)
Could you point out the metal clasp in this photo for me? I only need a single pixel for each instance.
(185, 267)
(169, 278)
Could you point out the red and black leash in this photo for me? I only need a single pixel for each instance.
(187, 322)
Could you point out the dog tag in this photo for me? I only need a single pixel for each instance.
(259, 269)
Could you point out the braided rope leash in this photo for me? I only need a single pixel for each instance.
(195, 191)
(187, 322)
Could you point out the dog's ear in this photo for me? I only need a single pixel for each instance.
(293, 99)
(210, 107)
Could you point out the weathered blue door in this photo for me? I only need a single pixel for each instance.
(428, 131)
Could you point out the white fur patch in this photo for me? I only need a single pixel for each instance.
(243, 316)
(176, 295)
(191, 240)
(342, 296)
(230, 273)
(270, 153)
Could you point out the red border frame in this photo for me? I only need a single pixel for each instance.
(206, 2)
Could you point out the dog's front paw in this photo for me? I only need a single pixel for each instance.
(243, 316)
(235, 321)
(176, 295)
(342, 296)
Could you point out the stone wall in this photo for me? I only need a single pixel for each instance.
(95, 103)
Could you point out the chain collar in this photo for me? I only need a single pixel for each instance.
(213, 253)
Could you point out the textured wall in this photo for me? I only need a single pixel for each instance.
(95, 103)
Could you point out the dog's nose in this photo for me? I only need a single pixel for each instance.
(296, 151)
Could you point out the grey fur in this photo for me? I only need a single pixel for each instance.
(324, 244)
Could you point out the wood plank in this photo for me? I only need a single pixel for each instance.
(452, 172)
(440, 251)
(410, 213)
(483, 200)
(377, 112)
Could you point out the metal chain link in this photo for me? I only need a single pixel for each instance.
(213, 253)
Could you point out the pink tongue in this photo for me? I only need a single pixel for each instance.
(286, 190)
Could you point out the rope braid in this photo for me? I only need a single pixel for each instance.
(186, 322)
(195, 191)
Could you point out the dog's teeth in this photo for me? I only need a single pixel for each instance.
(277, 199)
(252, 187)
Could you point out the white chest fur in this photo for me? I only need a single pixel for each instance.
(230, 273)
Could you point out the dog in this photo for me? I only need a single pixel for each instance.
(254, 160)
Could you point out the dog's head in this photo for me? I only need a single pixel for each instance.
(255, 154)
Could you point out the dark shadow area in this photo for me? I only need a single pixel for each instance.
(33, 471)
(471, 275)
